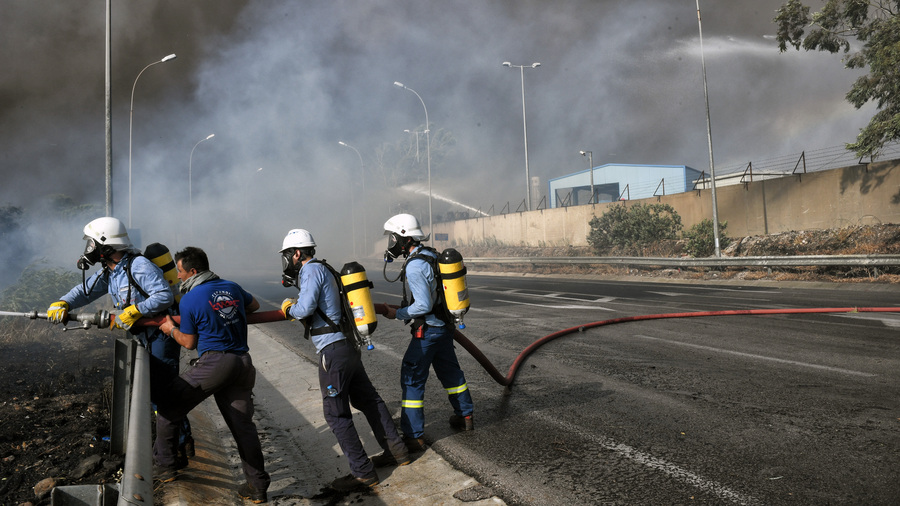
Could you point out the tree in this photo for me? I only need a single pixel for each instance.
(874, 23)
(701, 241)
(633, 228)
(402, 163)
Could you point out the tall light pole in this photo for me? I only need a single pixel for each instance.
(525, 129)
(590, 155)
(712, 165)
(190, 185)
(362, 171)
(130, 121)
(108, 100)
(428, 148)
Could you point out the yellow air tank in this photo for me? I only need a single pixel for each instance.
(456, 292)
(356, 287)
(159, 254)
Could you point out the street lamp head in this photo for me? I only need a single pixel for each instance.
(507, 64)
(210, 136)
(399, 84)
(583, 153)
(342, 143)
(167, 58)
(535, 65)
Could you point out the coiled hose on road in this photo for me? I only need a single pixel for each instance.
(507, 381)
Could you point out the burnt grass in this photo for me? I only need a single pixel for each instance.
(54, 409)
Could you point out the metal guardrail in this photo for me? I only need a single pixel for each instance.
(130, 435)
(765, 261)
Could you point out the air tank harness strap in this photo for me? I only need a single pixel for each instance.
(453, 275)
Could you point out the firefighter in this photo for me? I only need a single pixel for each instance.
(431, 344)
(342, 376)
(137, 287)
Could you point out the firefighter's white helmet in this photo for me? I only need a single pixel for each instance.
(404, 225)
(297, 238)
(108, 231)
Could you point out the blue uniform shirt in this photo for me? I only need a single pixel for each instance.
(318, 288)
(145, 273)
(423, 286)
(215, 312)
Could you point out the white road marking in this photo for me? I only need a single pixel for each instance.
(645, 459)
(553, 306)
(762, 357)
(892, 320)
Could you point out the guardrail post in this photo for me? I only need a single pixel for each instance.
(123, 368)
(137, 477)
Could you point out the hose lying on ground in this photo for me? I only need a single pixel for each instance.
(507, 381)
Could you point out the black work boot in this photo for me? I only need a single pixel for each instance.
(251, 493)
(460, 422)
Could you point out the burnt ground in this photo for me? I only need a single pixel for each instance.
(54, 386)
(54, 409)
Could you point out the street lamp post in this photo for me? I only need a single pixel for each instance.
(364, 213)
(130, 121)
(190, 184)
(525, 130)
(712, 165)
(428, 149)
(590, 156)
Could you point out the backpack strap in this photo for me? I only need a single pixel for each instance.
(438, 309)
(132, 281)
(330, 327)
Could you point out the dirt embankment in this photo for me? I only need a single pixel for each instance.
(860, 240)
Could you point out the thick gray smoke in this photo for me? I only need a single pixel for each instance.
(279, 83)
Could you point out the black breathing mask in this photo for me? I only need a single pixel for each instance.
(396, 247)
(93, 252)
(289, 270)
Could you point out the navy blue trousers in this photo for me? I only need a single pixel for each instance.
(434, 349)
(340, 365)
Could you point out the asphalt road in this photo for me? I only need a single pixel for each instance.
(762, 409)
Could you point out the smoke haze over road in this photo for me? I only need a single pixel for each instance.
(280, 82)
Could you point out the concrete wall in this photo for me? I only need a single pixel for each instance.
(857, 195)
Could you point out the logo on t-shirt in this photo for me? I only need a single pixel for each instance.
(225, 304)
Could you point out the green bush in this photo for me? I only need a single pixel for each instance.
(632, 228)
(38, 286)
(701, 241)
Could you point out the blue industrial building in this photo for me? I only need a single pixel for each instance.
(618, 181)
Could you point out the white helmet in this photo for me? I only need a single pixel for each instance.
(404, 225)
(297, 238)
(108, 231)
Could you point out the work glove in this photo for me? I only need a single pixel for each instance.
(386, 311)
(58, 312)
(286, 307)
(126, 318)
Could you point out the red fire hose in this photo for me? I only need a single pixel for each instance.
(510, 376)
(261, 317)
(507, 381)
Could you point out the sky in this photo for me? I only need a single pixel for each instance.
(280, 82)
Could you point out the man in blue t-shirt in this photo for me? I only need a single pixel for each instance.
(214, 322)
